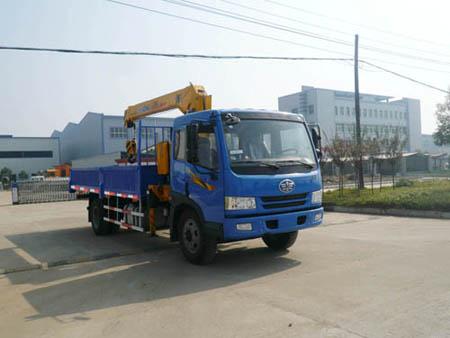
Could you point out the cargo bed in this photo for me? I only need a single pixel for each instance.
(124, 181)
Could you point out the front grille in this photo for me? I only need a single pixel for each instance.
(283, 197)
(283, 205)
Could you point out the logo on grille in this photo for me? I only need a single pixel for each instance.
(286, 185)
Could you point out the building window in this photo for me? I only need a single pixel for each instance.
(348, 111)
(294, 111)
(311, 109)
(353, 111)
(390, 114)
(376, 113)
(27, 154)
(118, 132)
(341, 109)
(336, 110)
(396, 114)
(385, 114)
(365, 112)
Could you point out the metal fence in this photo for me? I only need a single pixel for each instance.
(149, 137)
(52, 190)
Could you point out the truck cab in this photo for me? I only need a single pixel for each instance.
(242, 174)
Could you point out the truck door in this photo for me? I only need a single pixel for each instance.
(204, 178)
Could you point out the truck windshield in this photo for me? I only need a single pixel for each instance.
(269, 143)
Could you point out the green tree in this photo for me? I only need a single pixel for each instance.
(442, 134)
(5, 177)
(393, 148)
(23, 175)
(339, 152)
(5, 172)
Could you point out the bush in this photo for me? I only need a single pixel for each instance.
(23, 175)
(404, 183)
(432, 195)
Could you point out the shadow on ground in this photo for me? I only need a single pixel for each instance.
(65, 246)
(144, 278)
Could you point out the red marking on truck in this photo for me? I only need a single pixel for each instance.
(84, 189)
(122, 195)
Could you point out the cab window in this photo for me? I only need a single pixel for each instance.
(207, 147)
(180, 144)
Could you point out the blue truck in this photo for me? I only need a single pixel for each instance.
(216, 176)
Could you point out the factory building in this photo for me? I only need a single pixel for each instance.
(334, 111)
(99, 134)
(30, 154)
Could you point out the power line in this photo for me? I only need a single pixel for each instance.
(257, 34)
(241, 17)
(223, 57)
(225, 27)
(334, 30)
(405, 77)
(355, 24)
(269, 24)
(171, 55)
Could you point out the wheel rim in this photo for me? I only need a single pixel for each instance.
(191, 235)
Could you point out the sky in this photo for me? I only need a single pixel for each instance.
(41, 92)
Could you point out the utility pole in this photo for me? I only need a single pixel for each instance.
(358, 119)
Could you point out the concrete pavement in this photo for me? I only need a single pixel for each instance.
(357, 276)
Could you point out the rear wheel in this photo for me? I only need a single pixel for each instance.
(195, 245)
(99, 226)
(280, 241)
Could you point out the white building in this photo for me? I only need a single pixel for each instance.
(30, 154)
(334, 111)
(99, 134)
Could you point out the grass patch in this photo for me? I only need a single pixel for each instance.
(432, 195)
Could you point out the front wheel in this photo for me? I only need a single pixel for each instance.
(195, 245)
(280, 241)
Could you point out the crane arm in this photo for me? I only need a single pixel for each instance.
(189, 99)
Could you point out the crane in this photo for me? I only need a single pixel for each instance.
(190, 99)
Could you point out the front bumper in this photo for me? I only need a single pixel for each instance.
(277, 223)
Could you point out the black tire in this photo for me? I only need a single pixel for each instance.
(280, 241)
(99, 226)
(197, 248)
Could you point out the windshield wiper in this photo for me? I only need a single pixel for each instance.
(267, 164)
(303, 163)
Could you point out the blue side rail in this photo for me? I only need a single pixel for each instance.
(122, 181)
(130, 181)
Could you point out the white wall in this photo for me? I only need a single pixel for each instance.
(414, 123)
(288, 103)
(102, 160)
(29, 165)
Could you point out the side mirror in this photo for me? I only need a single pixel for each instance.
(315, 137)
(192, 143)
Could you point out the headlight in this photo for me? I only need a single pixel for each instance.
(316, 197)
(239, 203)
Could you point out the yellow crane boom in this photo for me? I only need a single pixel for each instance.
(189, 99)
